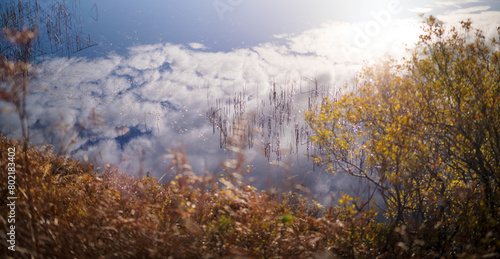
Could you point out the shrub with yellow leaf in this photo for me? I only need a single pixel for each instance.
(426, 132)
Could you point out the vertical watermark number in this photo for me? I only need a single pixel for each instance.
(11, 198)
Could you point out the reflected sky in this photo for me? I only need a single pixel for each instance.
(219, 25)
(159, 66)
(226, 25)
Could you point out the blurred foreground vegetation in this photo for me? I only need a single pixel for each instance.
(74, 212)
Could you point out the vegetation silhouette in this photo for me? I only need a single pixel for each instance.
(59, 28)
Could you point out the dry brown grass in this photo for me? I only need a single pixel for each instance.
(79, 212)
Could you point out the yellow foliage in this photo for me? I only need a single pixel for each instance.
(424, 131)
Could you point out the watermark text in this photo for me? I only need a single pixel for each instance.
(11, 198)
(222, 7)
